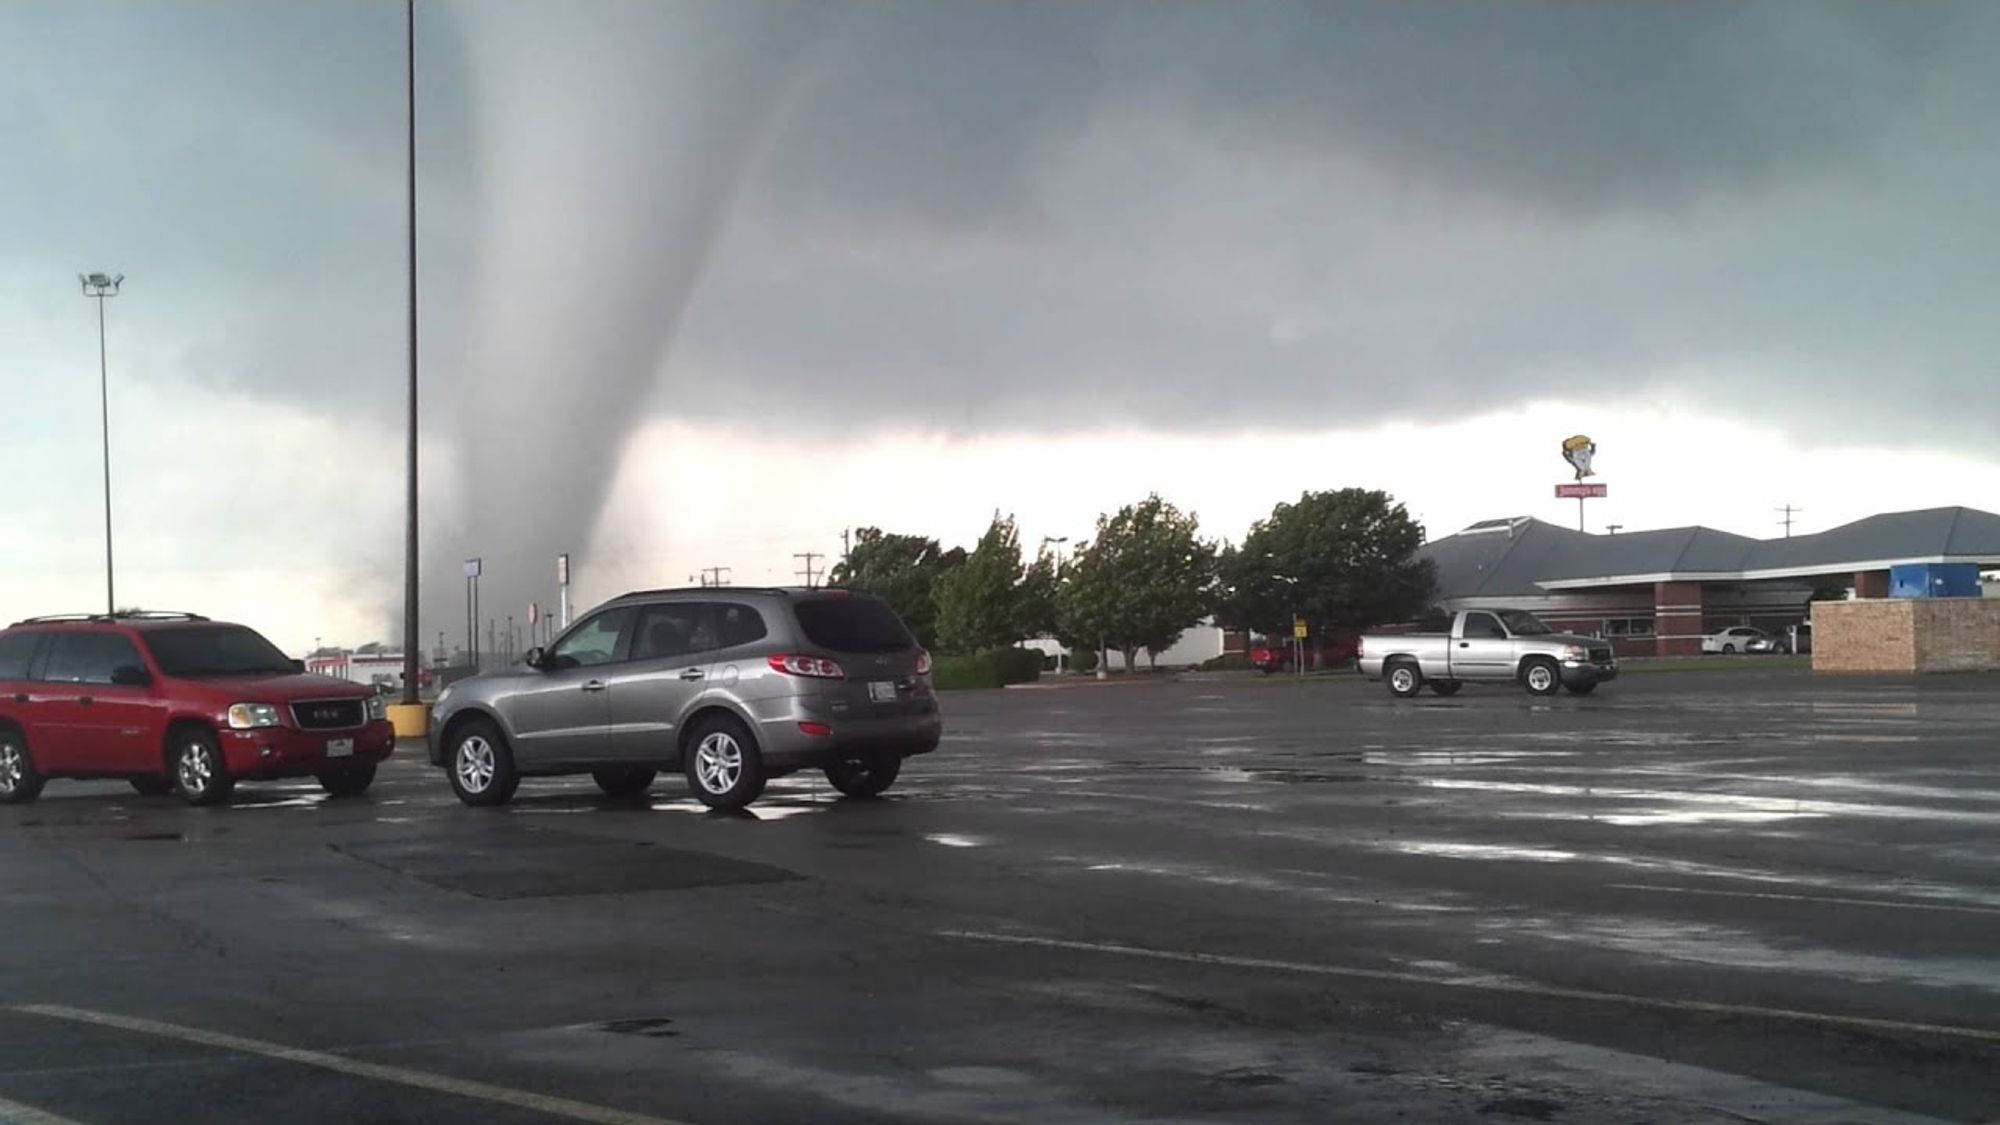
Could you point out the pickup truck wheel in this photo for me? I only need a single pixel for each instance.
(1446, 687)
(1405, 679)
(1541, 677)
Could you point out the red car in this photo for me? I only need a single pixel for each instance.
(1276, 655)
(175, 702)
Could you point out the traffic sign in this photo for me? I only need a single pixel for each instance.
(1299, 629)
(1582, 491)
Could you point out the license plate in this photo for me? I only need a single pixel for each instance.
(340, 748)
(882, 691)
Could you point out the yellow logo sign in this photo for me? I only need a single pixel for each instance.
(1579, 451)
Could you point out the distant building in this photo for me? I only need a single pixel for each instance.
(370, 664)
(1660, 592)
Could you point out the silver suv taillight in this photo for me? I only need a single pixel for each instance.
(813, 667)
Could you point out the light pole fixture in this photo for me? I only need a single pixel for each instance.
(100, 286)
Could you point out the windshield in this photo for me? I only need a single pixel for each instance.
(1522, 624)
(218, 650)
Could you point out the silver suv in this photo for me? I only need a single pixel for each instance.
(732, 686)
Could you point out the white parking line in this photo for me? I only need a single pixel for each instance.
(417, 1079)
(1489, 984)
(14, 1113)
(1885, 903)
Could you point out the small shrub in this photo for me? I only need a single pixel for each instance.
(1227, 662)
(986, 670)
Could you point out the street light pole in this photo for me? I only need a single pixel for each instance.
(101, 286)
(411, 639)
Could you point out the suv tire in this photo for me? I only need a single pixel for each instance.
(200, 774)
(624, 782)
(723, 765)
(19, 783)
(481, 766)
(865, 777)
(348, 781)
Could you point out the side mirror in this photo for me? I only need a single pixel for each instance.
(128, 675)
(533, 657)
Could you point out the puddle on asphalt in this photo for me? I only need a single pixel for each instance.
(952, 840)
(1693, 806)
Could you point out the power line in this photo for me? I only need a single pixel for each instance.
(809, 558)
(715, 575)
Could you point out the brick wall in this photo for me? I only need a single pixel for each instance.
(1907, 635)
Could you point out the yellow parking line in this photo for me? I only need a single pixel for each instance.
(14, 1113)
(417, 1079)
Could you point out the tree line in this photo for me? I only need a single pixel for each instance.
(1340, 560)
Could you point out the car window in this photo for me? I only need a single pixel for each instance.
(849, 624)
(1482, 626)
(17, 651)
(596, 641)
(738, 624)
(90, 658)
(679, 629)
(216, 650)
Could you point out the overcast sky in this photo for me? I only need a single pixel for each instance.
(705, 283)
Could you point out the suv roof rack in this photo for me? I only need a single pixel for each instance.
(105, 618)
(782, 591)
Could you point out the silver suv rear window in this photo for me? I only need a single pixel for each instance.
(853, 625)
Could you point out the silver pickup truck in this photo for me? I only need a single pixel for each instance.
(1500, 646)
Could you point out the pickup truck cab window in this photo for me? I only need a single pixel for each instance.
(1483, 626)
(1522, 624)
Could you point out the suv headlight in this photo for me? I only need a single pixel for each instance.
(378, 707)
(250, 716)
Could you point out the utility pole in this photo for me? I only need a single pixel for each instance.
(1789, 512)
(411, 625)
(713, 575)
(809, 558)
(1614, 528)
(846, 543)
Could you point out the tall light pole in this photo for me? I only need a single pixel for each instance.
(100, 286)
(411, 640)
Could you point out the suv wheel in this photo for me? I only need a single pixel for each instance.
(481, 766)
(199, 772)
(865, 777)
(724, 767)
(19, 783)
(348, 781)
(625, 782)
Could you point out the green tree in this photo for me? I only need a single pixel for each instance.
(902, 570)
(1035, 600)
(1143, 580)
(1342, 560)
(979, 603)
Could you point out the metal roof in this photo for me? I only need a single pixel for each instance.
(1525, 557)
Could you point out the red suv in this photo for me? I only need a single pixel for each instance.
(175, 702)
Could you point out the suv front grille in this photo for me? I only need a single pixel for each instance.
(329, 714)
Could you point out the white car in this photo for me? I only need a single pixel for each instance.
(1733, 640)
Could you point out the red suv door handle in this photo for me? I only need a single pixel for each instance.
(20, 697)
(85, 701)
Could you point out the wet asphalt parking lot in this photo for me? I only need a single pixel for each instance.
(1693, 897)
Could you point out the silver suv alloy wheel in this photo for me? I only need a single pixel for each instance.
(195, 768)
(718, 763)
(475, 764)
